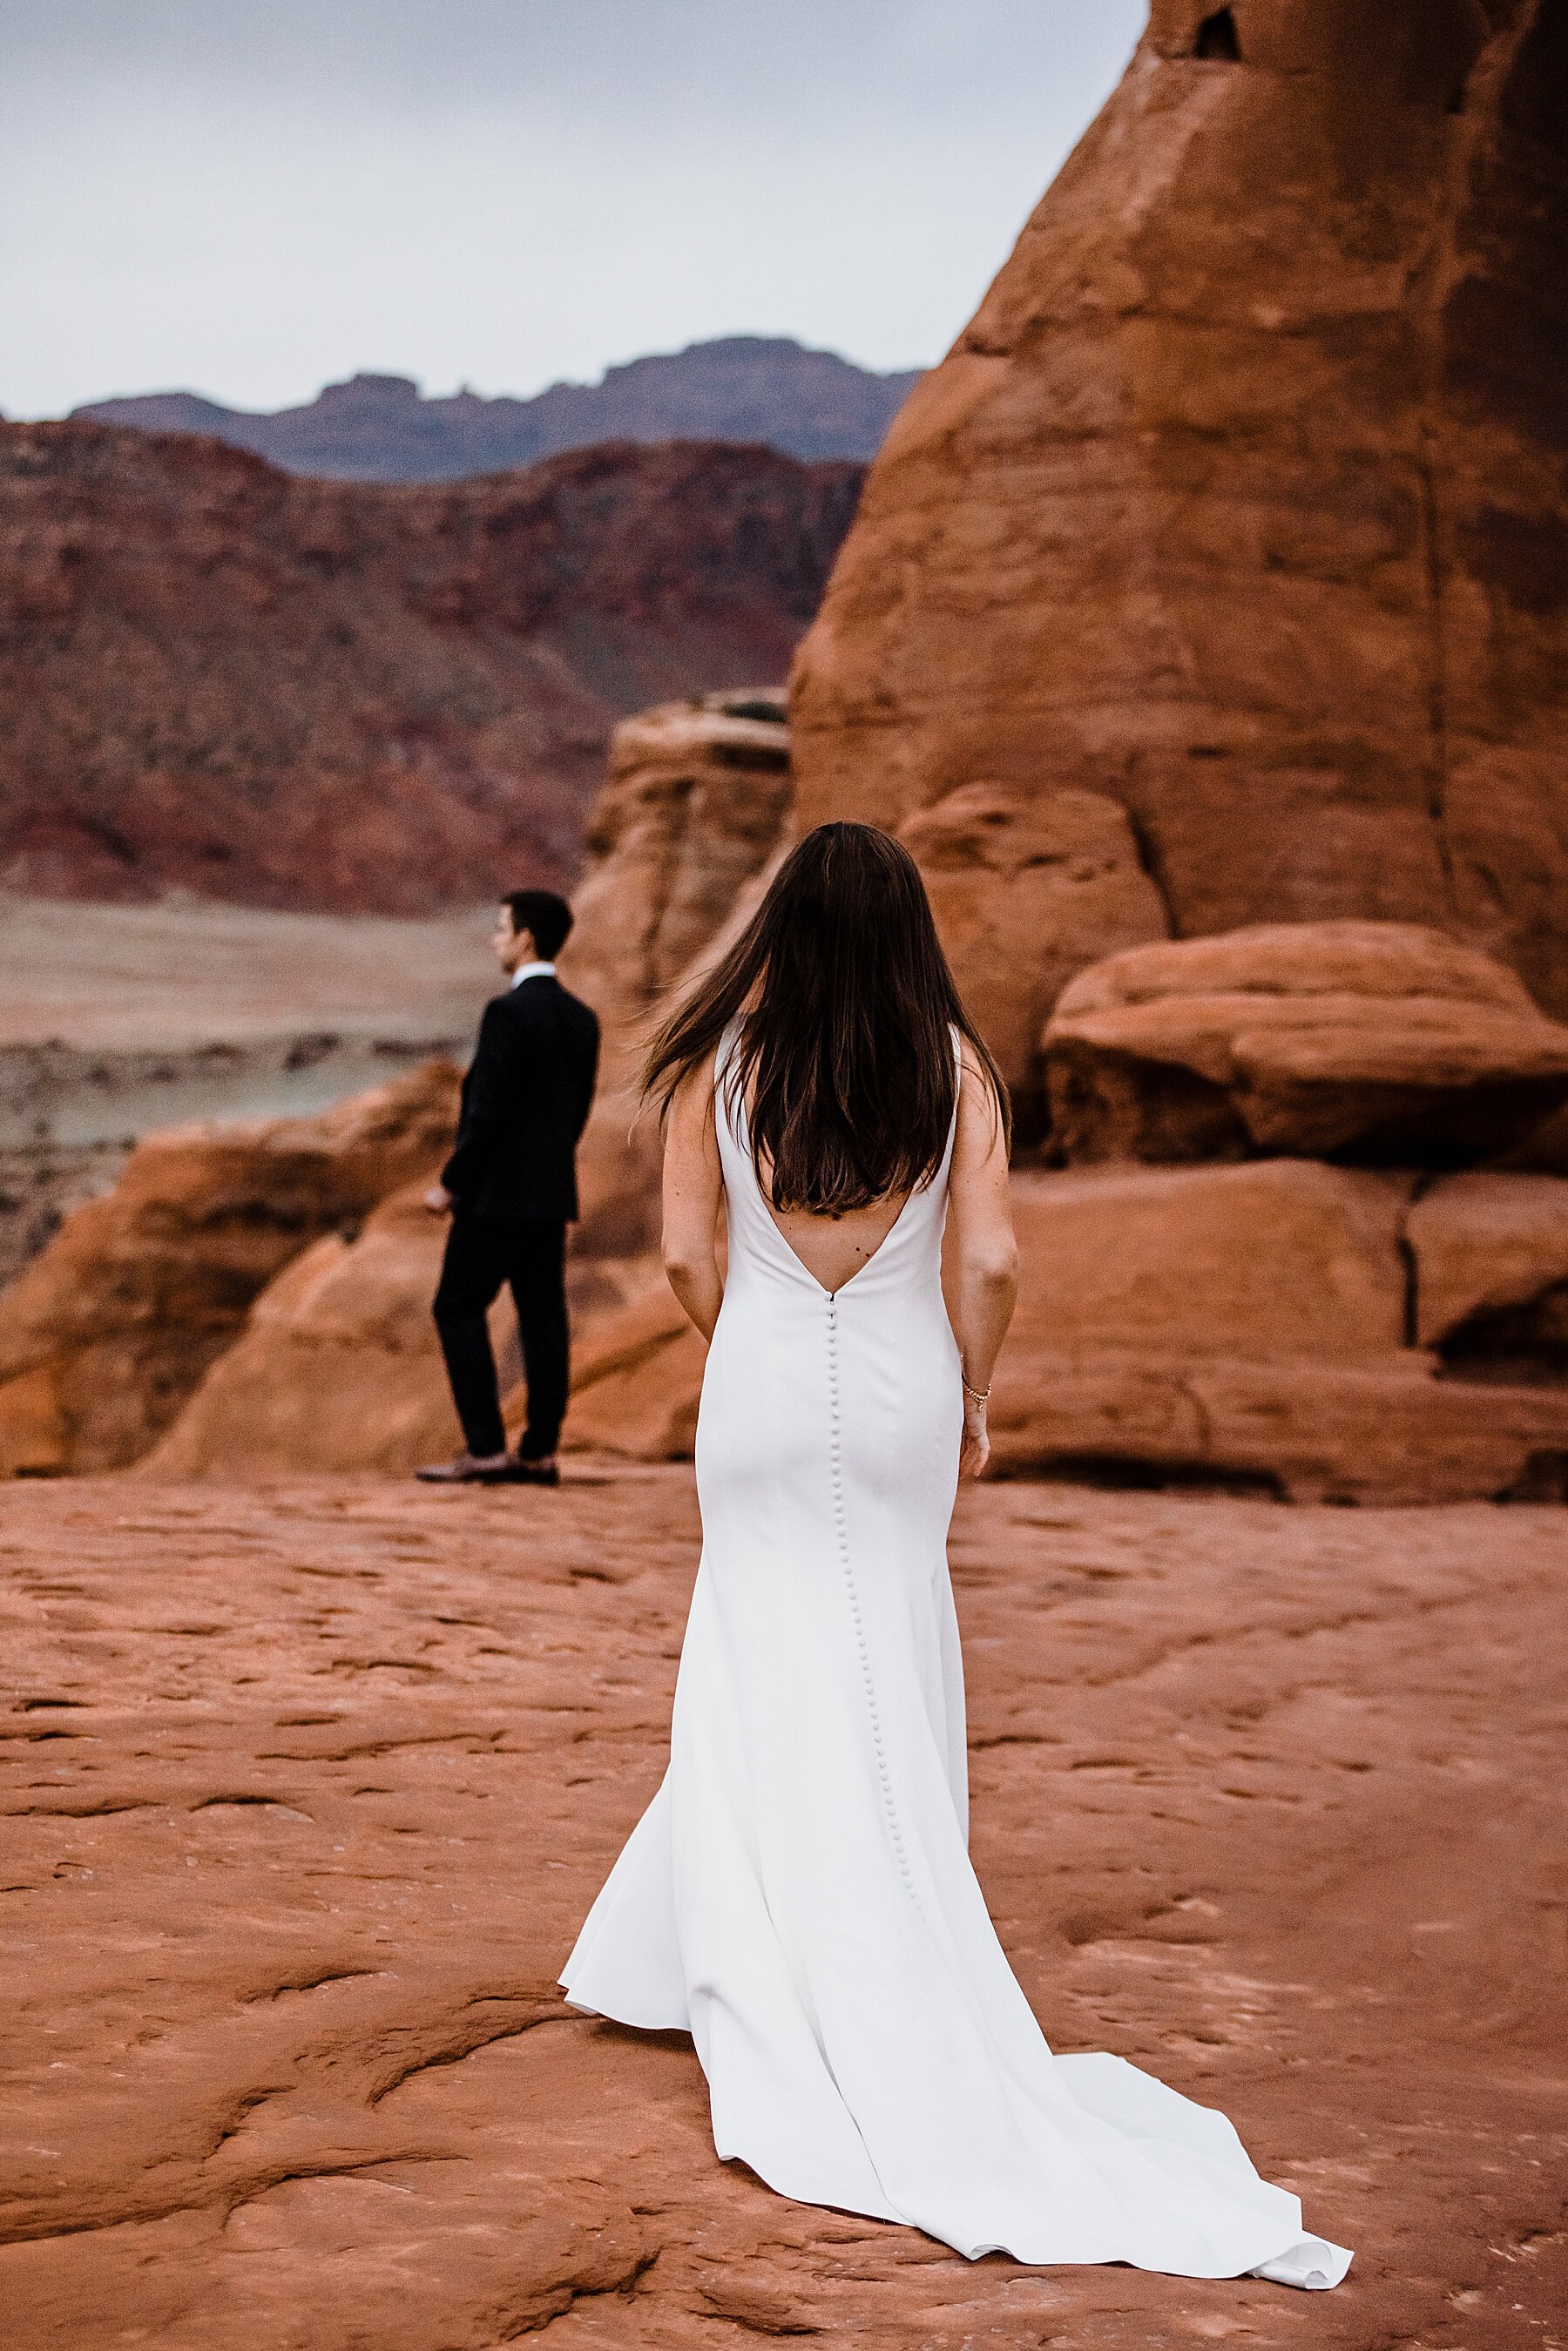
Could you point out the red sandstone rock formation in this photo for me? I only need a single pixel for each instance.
(1368, 1040)
(339, 695)
(1242, 501)
(1318, 1330)
(337, 1367)
(1490, 1254)
(1254, 1325)
(307, 1792)
(637, 1383)
(1027, 889)
(107, 1333)
(696, 799)
(680, 842)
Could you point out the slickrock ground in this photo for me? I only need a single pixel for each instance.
(310, 1786)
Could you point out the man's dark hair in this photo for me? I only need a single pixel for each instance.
(541, 911)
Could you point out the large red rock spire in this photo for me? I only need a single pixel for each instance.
(1243, 500)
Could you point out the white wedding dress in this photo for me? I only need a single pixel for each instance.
(799, 1894)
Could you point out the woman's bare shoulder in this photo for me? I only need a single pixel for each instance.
(981, 1125)
(977, 1087)
(691, 1104)
(699, 1079)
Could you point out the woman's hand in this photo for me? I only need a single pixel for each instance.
(977, 1446)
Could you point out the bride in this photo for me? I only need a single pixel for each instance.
(799, 1894)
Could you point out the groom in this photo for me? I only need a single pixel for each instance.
(511, 1188)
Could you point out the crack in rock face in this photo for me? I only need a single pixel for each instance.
(1263, 1799)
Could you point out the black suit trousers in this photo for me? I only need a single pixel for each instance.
(529, 1254)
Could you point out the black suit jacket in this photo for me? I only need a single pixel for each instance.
(526, 1100)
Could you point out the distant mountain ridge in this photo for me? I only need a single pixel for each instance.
(767, 390)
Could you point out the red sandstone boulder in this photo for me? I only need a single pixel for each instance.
(1381, 1040)
(1248, 1324)
(682, 839)
(1244, 1325)
(337, 1366)
(1283, 1259)
(1326, 1431)
(106, 1334)
(1241, 499)
(337, 1369)
(1491, 1258)
(1027, 890)
(637, 1381)
(697, 795)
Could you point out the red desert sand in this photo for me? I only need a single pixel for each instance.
(311, 1784)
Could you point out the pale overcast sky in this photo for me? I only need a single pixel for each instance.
(251, 197)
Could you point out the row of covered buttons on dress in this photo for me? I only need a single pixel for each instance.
(841, 1529)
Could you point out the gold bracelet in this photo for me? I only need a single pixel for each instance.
(980, 1394)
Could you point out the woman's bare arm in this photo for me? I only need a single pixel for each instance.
(694, 1193)
(984, 1289)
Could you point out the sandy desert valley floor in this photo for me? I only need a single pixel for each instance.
(309, 1786)
(118, 1020)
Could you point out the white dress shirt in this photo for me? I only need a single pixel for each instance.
(532, 971)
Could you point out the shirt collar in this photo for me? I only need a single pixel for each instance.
(532, 971)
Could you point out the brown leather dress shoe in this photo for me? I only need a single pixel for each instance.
(466, 1471)
(533, 1473)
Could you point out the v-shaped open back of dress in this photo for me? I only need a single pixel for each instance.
(799, 1894)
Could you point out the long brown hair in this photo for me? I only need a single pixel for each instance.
(847, 1009)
